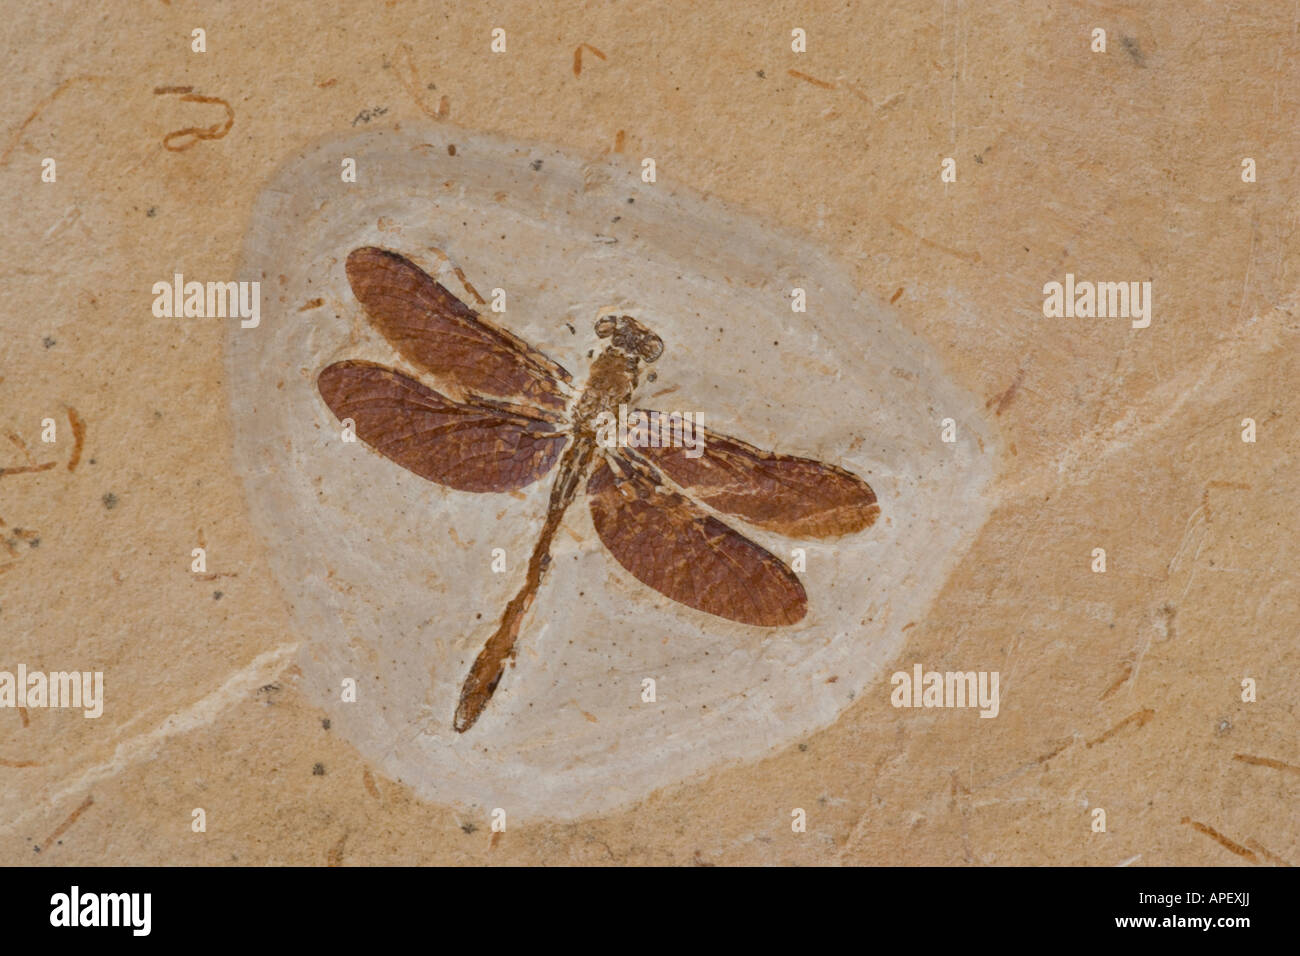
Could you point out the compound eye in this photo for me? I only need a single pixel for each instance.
(605, 326)
(650, 347)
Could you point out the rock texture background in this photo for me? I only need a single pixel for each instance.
(1119, 690)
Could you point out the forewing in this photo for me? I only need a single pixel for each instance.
(684, 553)
(437, 332)
(797, 497)
(467, 446)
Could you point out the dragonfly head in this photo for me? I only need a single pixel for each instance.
(630, 337)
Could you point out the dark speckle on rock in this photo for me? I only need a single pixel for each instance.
(110, 501)
(318, 770)
(216, 595)
(468, 827)
(1131, 47)
(536, 164)
(325, 722)
(49, 342)
(365, 116)
(153, 211)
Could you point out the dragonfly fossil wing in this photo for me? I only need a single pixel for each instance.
(672, 545)
(437, 332)
(797, 497)
(468, 446)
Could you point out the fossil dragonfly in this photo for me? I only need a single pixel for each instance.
(518, 415)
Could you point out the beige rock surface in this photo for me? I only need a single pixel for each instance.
(1119, 690)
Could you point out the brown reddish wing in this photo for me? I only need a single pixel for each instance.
(473, 446)
(675, 547)
(796, 497)
(437, 332)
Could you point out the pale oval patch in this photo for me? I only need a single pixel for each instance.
(390, 575)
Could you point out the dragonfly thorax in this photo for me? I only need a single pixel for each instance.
(616, 371)
(612, 381)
